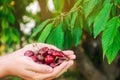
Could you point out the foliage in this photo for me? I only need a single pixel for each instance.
(9, 20)
(9, 33)
(93, 16)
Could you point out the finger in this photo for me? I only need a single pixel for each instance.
(56, 71)
(72, 57)
(40, 68)
(66, 68)
(68, 52)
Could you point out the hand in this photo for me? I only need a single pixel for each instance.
(19, 65)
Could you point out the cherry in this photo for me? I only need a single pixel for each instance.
(47, 56)
(40, 57)
(57, 53)
(49, 59)
(29, 53)
(51, 51)
(43, 51)
(34, 58)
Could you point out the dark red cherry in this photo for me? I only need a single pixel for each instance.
(51, 51)
(57, 54)
(43, 51)
(34, 58)
(29, 53)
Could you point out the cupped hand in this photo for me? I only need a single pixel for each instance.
(17, 64)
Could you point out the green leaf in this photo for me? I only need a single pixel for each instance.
(109, 33)
(45, 32)
(6, 1)
(4, 24)
(68, 40)
(39, 28)
(106, 2)
(117, 2)
(67, 21)
(58, 4)
(111, 39)
(15, 35)
(91, 17)
(56, 37)
(76, 5)
(51, 38)
(4, 38)
(101, 19)
(113, 49)
(77, 33)
(88, 6)
(59, 36)
(74, 16)
(11, 17)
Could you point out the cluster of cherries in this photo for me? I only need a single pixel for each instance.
(47, 56)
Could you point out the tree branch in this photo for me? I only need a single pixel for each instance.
(86, 67)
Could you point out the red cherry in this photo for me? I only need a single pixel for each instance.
(34, 58)
(40, 57)
(57, 54)
(43, 51)
(29, 53)
(50, 51)
(49, 59)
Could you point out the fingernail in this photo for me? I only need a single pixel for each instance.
(49, 69)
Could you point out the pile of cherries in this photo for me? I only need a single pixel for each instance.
(47, 56)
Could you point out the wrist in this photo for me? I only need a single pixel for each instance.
(3, 67)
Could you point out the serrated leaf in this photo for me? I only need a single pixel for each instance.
(39, 28)
(45, 32)
(74, 16)
(88, 6)
(58, 4)
(94, 13)
(101, 19)
(111, 39)
(113, 49)
(109, 33)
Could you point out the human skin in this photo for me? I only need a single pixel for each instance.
(16, 64)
